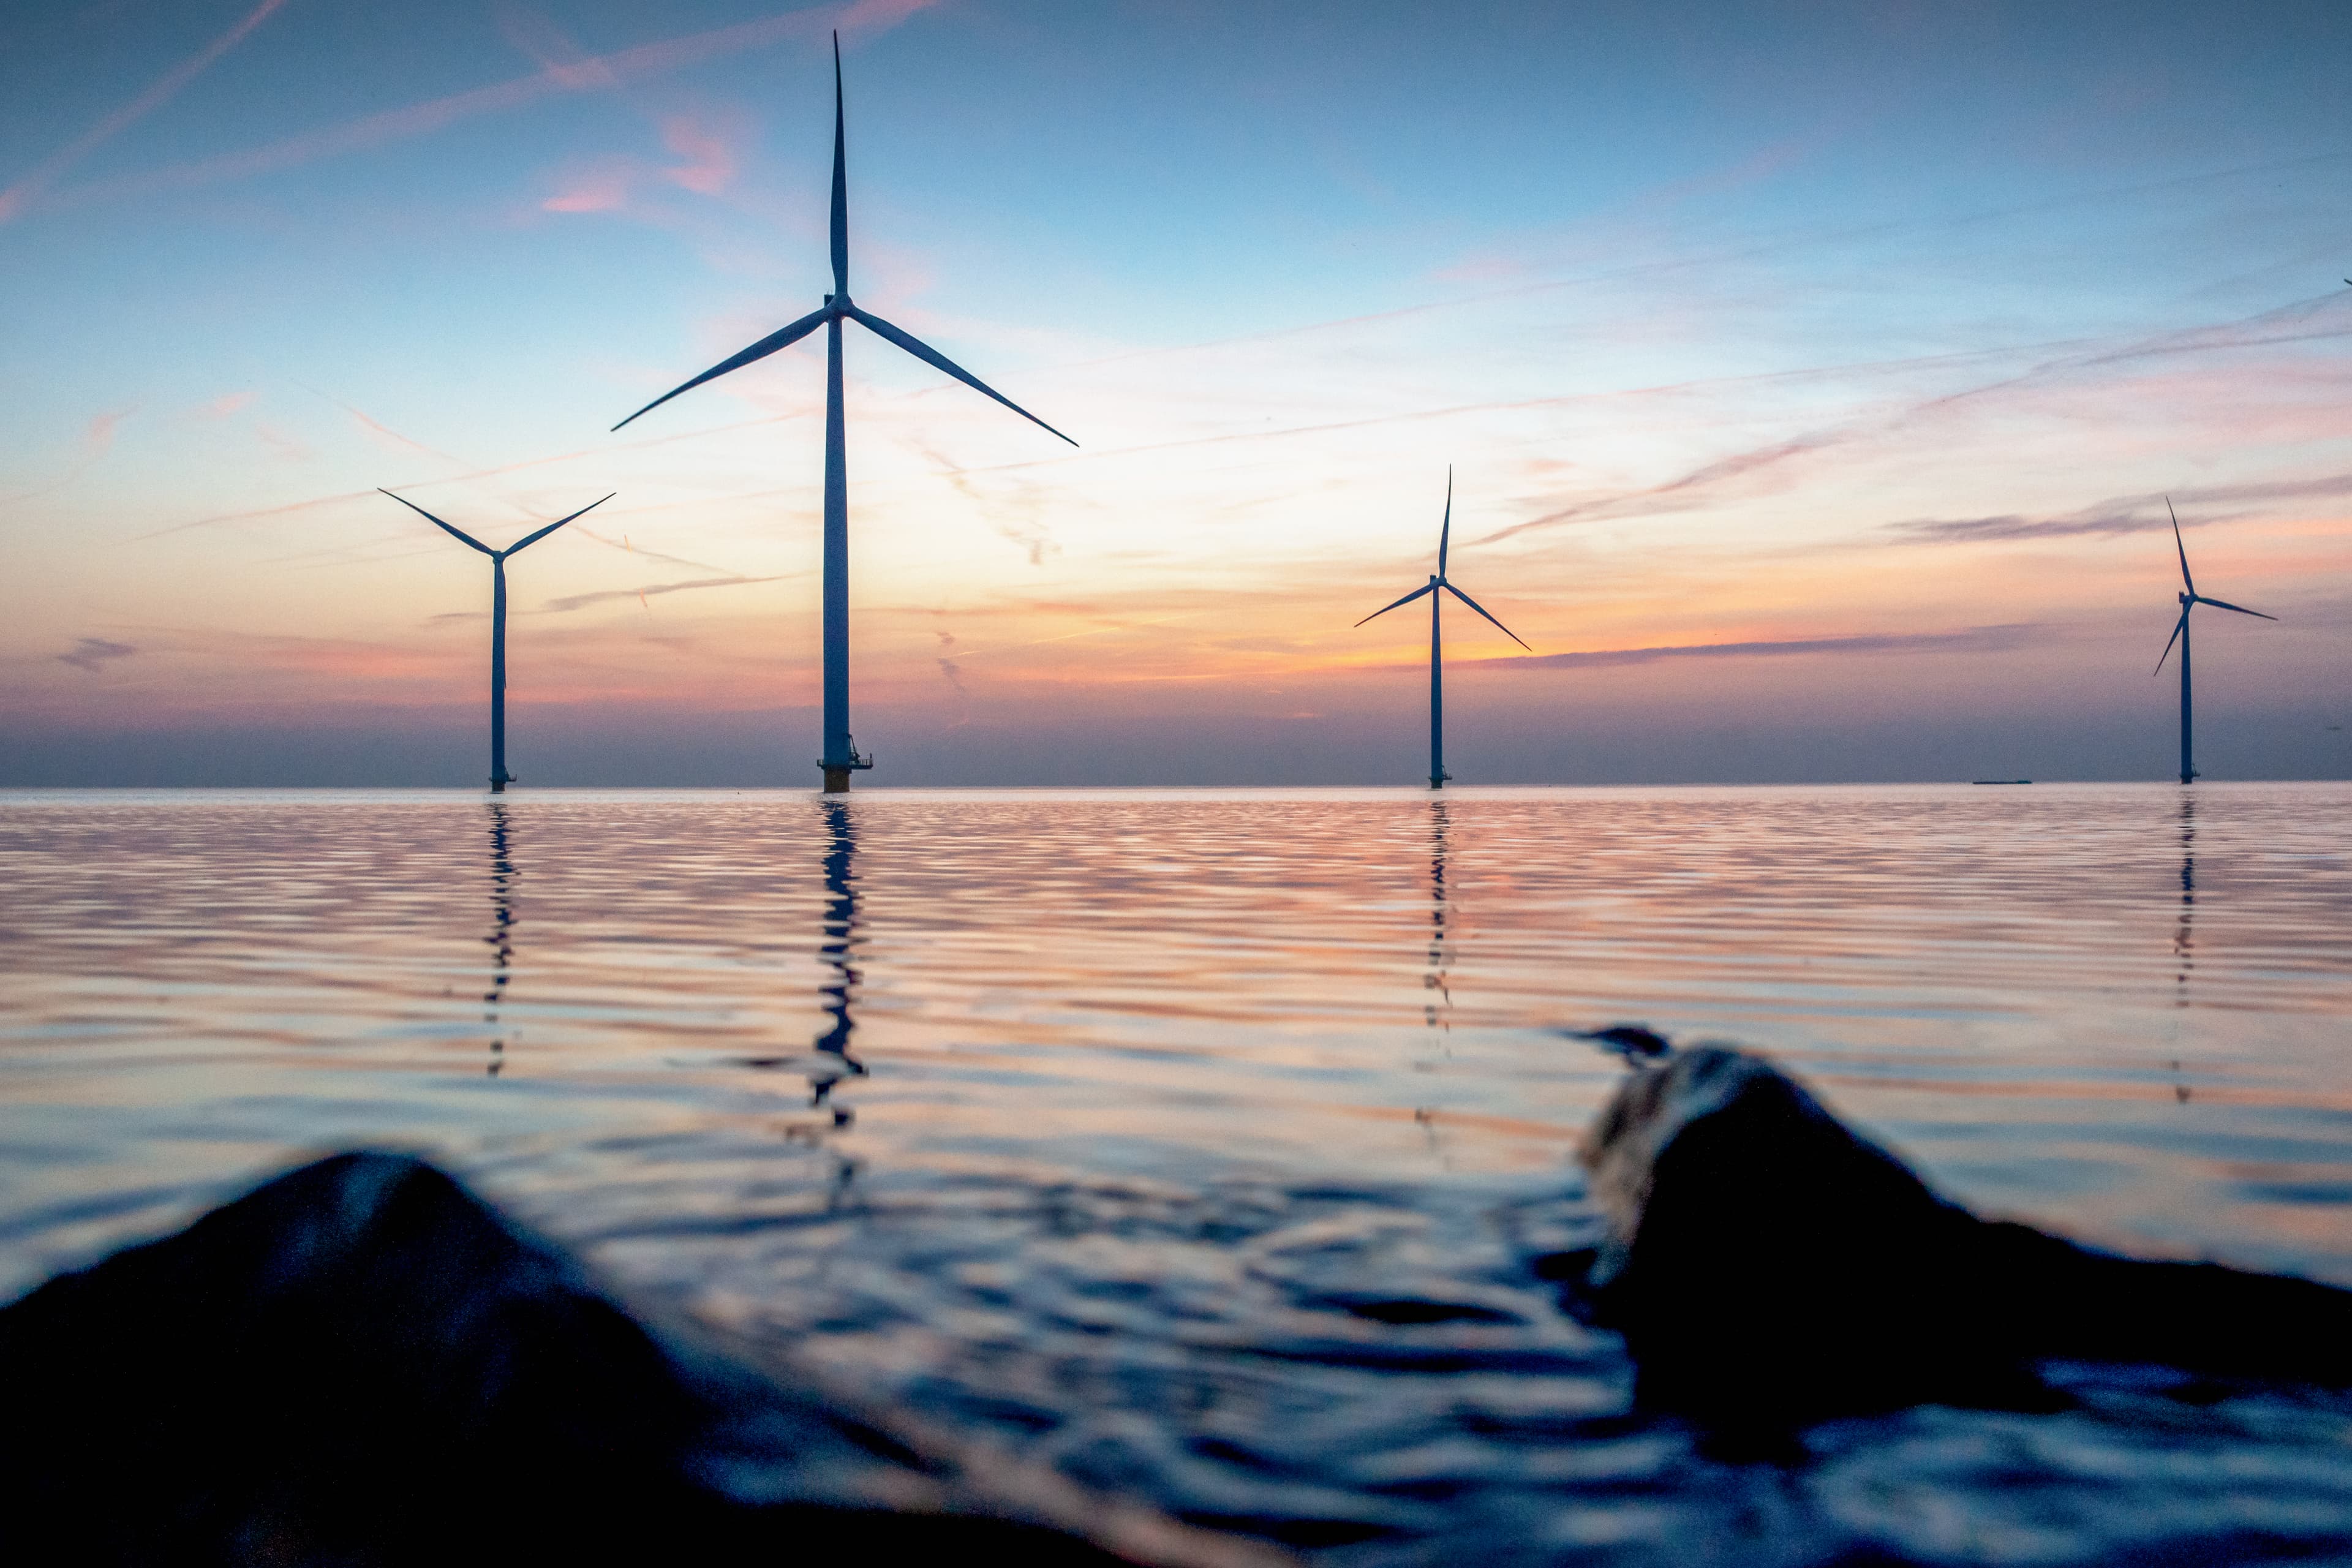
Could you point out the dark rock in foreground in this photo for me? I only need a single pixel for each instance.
(1768, 1267)
(361, 1363)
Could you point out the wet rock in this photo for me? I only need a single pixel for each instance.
(361, 1364)
(1768, 1267)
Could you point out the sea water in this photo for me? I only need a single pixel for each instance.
(1200, 1142)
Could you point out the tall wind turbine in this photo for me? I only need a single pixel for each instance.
(841, 755)
(2190, 599)
(1437, 773)
(499, 777)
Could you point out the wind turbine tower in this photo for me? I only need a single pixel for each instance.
(841, 755)
(1437, 773)
(2190, 599)
(499, 777)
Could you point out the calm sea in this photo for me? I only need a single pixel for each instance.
(1115, 1126)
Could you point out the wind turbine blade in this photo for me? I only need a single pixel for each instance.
(458, 533)
(1482, 610)
(1408, 599)
(2188, 582)
(1446, 532)
(2221, 605)
(761, 350)
(2175, 637)
(530, 538)
(840, 186)
(932, 356)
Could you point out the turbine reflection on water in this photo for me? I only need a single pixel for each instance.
(838, 953)
(501, 937)
(2183, 949)
(1438, 1011)
(1437, 1008)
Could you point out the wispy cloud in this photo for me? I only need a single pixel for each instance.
(2119, 514)
(97, 440)
(712, 152)
(98, 437)
(1029, 531)
(603, 189)
(383, 435)
(90, 653)
(227, 404)
(711, 145)
(626, 545)
(593, 74)
(314, 502)
(953, 672)
(28, 189)
(582, 601)
(1973, 639)
(2322, 317)
(291, 447)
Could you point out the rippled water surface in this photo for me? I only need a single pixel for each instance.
(1198, 1143)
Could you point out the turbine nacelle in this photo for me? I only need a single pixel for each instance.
(1438, 579)
(839, 307)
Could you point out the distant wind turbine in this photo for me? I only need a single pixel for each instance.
(841, 756)
(1437, 773)
(499, 777)
(2190, 599)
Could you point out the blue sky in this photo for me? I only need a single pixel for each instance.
(1853, 346)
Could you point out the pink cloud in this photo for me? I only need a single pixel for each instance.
(547, 46)
(602, 190)
(223, 406)
(879, 15)
(712, 154)
(98, 438)
(286, 447)
(383, 435)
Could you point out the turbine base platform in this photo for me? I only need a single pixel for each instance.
(836, 774)
(498, 786)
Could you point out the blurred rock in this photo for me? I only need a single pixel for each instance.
(361, 1364)
(1768, 1267)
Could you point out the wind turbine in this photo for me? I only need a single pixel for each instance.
(2190, 599)
(1437, 773)
(499, 777)
(841, 755)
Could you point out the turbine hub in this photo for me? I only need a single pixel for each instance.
(838, 304)
(2187, 598)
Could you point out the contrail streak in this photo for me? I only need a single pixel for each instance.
(582, 601)
(1089, 631)
(28, 189)
(316, 501)
(595, 74)
(2289, 324)
(1769, 244)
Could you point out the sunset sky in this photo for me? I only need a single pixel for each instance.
(1811, 378)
